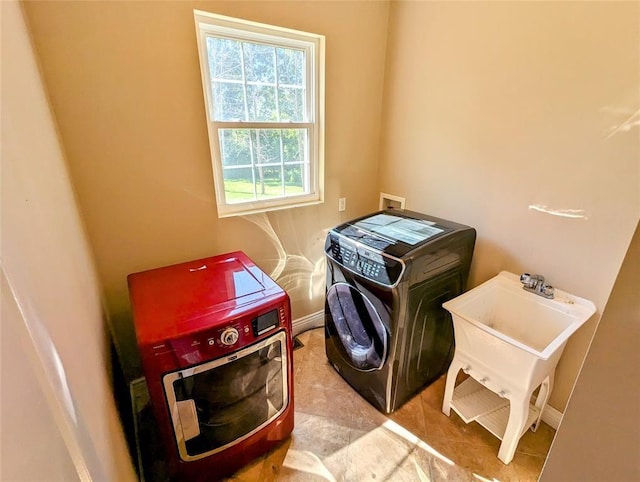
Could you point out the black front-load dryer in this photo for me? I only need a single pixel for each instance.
(388, 274)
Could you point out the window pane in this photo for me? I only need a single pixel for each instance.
(224, 58)
(294, 180)
(259, 62)
(238, 185)
(291, 102)
(290, 66)
(266, 145)
(262, 64)
(294, 145)
(268, 182)
(229, 101)
(278, 157)
(261, 102)
(235, 147)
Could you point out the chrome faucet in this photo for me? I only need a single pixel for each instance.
(535, 284)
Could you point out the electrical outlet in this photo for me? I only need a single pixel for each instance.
(342, 204)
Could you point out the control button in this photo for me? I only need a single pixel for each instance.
(229, 336)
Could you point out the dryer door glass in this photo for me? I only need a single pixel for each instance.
(222, 402)
(353, 319)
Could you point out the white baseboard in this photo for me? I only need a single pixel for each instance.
(313, 320)
(551, 416)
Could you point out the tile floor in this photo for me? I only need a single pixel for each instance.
(338, 436)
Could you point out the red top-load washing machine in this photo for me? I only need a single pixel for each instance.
(215, 340)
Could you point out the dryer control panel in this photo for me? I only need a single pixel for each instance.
(364, 261)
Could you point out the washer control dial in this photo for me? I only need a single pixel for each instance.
(229, 336)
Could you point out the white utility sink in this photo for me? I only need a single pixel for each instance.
(509, 341)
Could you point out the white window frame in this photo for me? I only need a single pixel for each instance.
(208, 24)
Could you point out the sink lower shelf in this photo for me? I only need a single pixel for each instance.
(472, 401)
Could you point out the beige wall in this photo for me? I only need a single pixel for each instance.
(494, 106)
(57, 410)
(599, 438)
(124, 83)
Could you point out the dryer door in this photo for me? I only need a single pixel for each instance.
(354, 320)
(222, 402)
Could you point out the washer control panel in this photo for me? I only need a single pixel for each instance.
(364, 261)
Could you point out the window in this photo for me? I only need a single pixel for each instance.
(264, 96)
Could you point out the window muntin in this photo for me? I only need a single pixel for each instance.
(264, 92)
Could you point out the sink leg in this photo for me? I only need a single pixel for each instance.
(452, 374)
(518, 412)
(543, 398)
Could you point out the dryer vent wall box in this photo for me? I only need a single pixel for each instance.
(388, 274)
(390, 201)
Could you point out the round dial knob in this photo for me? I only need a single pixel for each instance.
(229, 336)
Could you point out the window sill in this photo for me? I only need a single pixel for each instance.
(266, 209)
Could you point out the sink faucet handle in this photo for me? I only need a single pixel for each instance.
(531, 280)
(547, 291)
(525, 278)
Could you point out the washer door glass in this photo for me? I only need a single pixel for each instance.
(358, 326)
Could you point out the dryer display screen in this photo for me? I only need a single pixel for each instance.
(264, 323)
